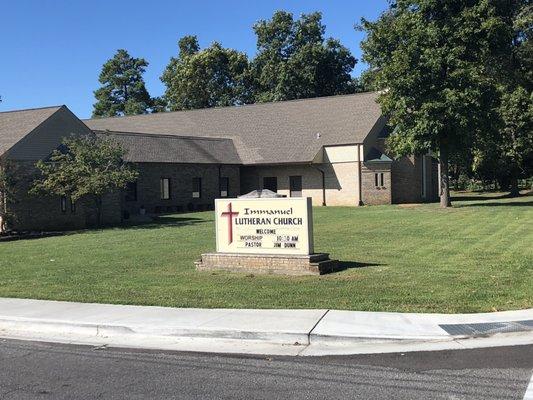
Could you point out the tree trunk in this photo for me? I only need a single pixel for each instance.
(444, 177)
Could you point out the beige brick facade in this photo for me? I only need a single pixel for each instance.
(340, 181)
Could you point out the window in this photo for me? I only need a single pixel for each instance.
(165, 188)
(379, 181)
(196, 188)
(295, 183)
(72, 206)
(63, 204)
(131, 191)
(270, 183)
(224, 187)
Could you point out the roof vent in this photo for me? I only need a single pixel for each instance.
(318, 135)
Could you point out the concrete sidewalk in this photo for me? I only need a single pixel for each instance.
(292, 332)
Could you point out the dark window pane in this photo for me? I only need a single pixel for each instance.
(295, 183)
(224, 187)
(196, 188)
(131, 191)
(270, 183)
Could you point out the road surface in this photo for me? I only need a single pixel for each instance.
(31, 370)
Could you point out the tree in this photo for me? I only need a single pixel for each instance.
(435, 63)
(123, 90)
(215, 76)
(7, 194)
(84, 167)
(516, 145)
(295, 61)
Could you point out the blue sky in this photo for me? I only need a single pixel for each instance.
(52, 51)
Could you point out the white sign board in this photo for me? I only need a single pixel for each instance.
(264, 226)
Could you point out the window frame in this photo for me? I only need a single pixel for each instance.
(220, 186)
(196, 184)
(162, 188)
(379, 180)
(293, 191)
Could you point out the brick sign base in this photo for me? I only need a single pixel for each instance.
(314, 264)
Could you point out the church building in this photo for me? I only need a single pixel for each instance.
(331, 149)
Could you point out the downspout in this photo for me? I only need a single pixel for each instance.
(323, 183)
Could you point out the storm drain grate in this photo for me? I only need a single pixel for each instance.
(488, 328)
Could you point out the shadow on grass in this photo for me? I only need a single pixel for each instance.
(344, 265)
(165, 221)
(480, 197)
(157, 222)
(29, 236)
(489, 201)
(497, 204)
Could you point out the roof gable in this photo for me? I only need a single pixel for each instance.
(15, 125)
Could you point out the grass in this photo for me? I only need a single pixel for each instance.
(474, 257)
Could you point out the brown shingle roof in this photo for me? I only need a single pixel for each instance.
(280, 132)
(142, 147)
(14, 125)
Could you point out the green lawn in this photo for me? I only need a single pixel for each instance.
(477, 256)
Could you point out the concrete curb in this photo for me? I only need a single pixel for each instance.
(291, 332)
(106, 331)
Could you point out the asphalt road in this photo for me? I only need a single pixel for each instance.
(30, 370)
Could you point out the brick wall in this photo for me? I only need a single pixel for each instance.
(43, 213)
(372, 194)
(407, 178)
(181, 177)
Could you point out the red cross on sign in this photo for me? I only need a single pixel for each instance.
(230, 214)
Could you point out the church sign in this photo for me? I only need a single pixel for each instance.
(279, 226)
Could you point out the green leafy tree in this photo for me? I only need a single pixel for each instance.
(123, 90)
(515, 149)
(436, 64)
(505, 154)
(85, 167)
(215, 76)
(508, 156)
(295, 60)
(7, 194)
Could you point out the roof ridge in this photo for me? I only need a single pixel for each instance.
(262, 104)
(31, 109)
(167, 135)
